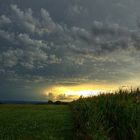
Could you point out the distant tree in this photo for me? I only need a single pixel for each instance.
(58, 102)
(137, 90)
(50, 102)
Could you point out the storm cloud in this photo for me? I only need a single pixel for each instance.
(84, 42)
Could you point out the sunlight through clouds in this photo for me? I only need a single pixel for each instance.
(76, 43)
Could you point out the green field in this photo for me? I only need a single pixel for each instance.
(104, 117)
(36, 122)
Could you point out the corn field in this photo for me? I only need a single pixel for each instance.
(114, 116)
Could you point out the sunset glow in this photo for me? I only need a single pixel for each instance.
(76, 91)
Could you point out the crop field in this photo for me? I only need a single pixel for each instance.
(104, 117)
(36, 122)
(108, 117)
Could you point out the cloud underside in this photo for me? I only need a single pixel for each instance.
(61, 97)
(38, 49)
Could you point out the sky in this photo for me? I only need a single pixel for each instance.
(61, 49)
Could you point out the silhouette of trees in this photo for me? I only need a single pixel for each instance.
(50, 102)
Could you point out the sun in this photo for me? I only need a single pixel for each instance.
(84, 93)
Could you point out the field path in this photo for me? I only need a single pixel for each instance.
(36, 122)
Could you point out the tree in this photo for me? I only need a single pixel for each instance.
(50, 102)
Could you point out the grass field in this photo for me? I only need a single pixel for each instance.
(105, 117)
(36, 122)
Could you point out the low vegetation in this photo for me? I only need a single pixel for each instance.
(104, 117)
(108, 116)
(36, 122)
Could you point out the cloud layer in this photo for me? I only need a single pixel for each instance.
(37, 48)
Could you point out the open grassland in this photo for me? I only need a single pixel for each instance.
(36, 122)
(113, 116)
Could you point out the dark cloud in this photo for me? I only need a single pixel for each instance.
(41, 45)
